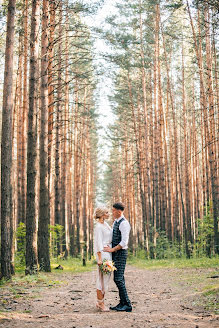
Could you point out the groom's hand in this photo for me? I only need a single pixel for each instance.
(108, 249)
(111, 250)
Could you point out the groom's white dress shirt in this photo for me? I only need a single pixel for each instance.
(125, 228)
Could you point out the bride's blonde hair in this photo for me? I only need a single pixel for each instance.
(99, 212)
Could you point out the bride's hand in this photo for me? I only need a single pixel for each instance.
(99, 262)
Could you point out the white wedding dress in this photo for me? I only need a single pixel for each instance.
(102, 237)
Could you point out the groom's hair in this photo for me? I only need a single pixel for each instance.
(119, 206)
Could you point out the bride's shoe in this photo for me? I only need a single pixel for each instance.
(101, 306)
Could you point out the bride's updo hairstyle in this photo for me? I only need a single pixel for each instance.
(99, 212)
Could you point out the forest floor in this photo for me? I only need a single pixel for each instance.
(161, 298)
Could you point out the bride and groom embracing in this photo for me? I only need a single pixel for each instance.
(112, 244)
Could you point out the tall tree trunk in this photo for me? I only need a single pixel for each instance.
(77, 189)
(50, 79)
(162, 136)
(24, 116)
(6, 149)
(188, 229)
(58, 129)
(146, 133)
(156, 133)
(18, 104)
(44, 219)
(51, 147)
(65, 157)
(31, 252)
(174, 153)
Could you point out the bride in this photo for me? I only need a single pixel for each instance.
(102, 237)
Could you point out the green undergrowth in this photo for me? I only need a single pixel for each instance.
(175, 263)
(211, 297)
(71, 265)
(205, 287)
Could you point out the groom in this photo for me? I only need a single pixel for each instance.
(119, 250)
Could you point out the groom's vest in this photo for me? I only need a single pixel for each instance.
(116, 233)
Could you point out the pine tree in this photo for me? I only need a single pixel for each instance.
(6, 149)
(31, 248)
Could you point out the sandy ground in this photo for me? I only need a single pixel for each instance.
(159, 301)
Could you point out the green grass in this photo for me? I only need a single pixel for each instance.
(73, 265)
(211, 290)
(20, 283)
(175, 263)
(209, 297)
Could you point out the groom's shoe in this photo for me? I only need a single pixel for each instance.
(115, 308)
(125, 308)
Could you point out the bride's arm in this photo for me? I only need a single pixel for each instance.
(99, 262)
(99, 244)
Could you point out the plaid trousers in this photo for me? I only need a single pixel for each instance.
(119, 259)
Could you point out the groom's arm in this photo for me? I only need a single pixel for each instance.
(125, 230)
(114, 249)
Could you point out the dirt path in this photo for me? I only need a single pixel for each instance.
(159, 301)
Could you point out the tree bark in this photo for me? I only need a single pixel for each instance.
(58, 218)
(6, 149)
(31, 252)
(44, 218)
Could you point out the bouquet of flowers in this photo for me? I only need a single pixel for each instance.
(107, 266)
